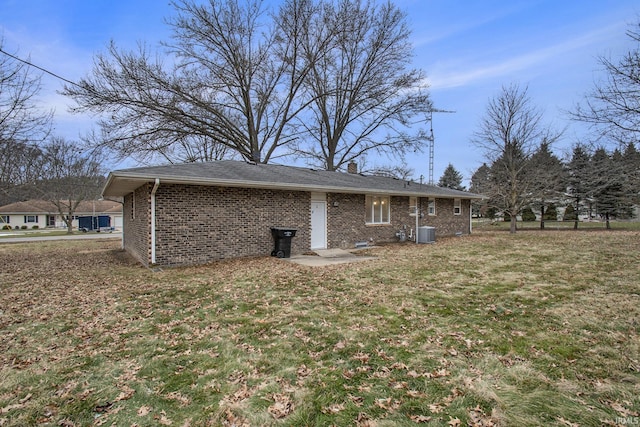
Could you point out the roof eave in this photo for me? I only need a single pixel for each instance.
(114, 177)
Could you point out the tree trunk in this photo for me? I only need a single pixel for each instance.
(68, 220)
(606, 217)
(513, 228)
(542, 217)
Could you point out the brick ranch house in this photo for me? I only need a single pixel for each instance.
(197, 213)
(44, 214)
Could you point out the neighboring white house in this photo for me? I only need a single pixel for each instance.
(32, 214)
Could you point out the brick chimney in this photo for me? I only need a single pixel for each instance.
(352, 167)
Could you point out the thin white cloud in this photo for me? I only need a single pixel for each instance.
(462, 71)
(446, 28)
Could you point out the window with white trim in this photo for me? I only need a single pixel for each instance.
(457, 207)
(413, 203)
(4, 219)
(432, 207)
(30, 219)
(377, 210)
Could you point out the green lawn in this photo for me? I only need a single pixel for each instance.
(537, 328)
(34, 233)
(487, 224)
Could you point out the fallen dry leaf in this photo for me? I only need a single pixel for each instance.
(363, 420)
(567, 423)
(420, 418)
(126, 393)
(436, 408)
(144, 411)
(162, 419)
(333, 409)
(478, 418)
(282, 406)
(232, 420)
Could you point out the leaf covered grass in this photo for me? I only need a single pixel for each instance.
(486, 330)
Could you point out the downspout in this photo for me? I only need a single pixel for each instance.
(153, 220)
(417, 215)
(470, 218)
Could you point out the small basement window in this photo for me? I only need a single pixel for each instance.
(377, 210)
(457, 209)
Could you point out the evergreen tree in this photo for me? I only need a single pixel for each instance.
(549, 178)
(579, 179)
(631, 166)
(570, 214)
(551, 213)
(528, 215)
(609, 185)
(451, 178)
(480, 184)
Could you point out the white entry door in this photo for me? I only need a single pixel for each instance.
(318, 225)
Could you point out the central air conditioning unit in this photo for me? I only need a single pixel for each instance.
(426, 234)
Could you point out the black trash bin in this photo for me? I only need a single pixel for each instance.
(282, 239)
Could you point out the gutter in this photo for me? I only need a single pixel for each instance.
(172, 179)
(153, 220)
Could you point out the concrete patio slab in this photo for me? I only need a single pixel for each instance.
(326, 257)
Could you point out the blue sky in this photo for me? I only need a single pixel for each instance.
(468, 49)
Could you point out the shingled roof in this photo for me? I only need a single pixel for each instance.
(231, 173)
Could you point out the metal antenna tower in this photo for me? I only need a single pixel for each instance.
(432, 141)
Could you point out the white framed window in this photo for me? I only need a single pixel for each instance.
(432, 207)
(377, 210)
(457, 207)
(413, 204)
(30, 219)
(4, 219)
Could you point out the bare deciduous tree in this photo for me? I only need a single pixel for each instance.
(69, 176)
(233, 83)
(509, 134)
(613, 105)
(363, 93)
(23, 125)
(328, 77)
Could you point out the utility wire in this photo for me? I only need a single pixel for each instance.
(51, 73)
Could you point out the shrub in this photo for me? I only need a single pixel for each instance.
(551, 213)
(24, 227)
(35, 227)
(491, 213)
(528, 215)
(570, 214)
(6, 227)
(16, 228)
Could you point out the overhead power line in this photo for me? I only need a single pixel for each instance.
(30, 64)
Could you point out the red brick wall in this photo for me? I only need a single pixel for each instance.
(197, 225)
(445, 222)
(137, 224)
(346, 221)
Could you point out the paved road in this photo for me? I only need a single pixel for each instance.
(116, 235)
